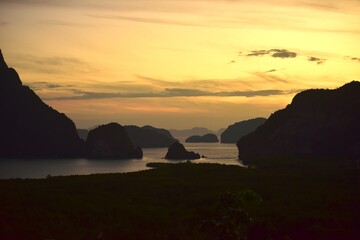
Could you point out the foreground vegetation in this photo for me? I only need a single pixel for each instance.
(302, 200)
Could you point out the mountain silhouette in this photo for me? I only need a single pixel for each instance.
(183, 134)
(150, 137)
(317, 123)
(111, 141)
(29, 127)
(207, 138)
(234, 132)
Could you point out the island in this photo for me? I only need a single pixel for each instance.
(207, 138)
(177, 151)
(111, 141)
(150, 137)
(319, 123)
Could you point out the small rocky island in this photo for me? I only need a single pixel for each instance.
(177, 151)
(207, 138)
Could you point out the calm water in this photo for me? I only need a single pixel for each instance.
(32, 168)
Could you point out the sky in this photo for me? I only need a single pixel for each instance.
(178, 63)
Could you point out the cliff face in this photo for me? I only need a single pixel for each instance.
(150, 137)
(29, 127)
(318, 123)
(234, 132)
(111, 141)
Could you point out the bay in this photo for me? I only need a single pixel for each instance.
(41, 168)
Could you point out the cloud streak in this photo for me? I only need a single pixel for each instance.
(52, 64)
(275, 53)
(270, 78)
(284, 53)
(352, 58)
(271, 70)
(174, 92)
(55, 22)
(47, 85)
(148, 20)
(317, 60)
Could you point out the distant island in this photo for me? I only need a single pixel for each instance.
(234, 132)
(207, 138)
(150, 137)
(318, 123)
(185, 133)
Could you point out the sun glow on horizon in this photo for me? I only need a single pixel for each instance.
(179, 63)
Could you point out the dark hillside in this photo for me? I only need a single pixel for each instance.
(318, 123)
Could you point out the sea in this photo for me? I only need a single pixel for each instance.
(42, 168)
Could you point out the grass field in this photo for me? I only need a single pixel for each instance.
(175, 201)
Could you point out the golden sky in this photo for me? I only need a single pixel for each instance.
(178, 63)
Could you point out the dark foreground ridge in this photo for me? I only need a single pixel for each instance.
(29, 127)
(177, 151)
(318, 123)
(186, 201)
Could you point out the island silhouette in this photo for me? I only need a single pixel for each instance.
(319, 123)
(31, 128)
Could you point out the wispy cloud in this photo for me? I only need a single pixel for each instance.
(282, 53)
(52, 64)
(174, 92)
(325, 5)
(156, 89)
(270, 78)
(271, 70)
(275, 53)
(257, 53)
(47, 85)
(352, 58)
(149, 20)
(220, 84)
(56, 22)
(345, 6)
(317, 60)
